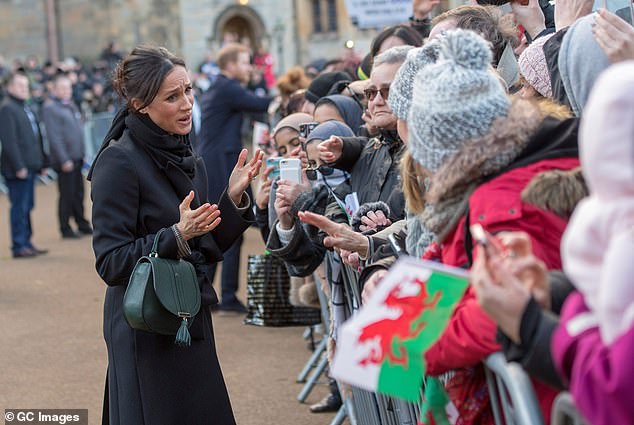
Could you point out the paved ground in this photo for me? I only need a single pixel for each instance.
(52, 353)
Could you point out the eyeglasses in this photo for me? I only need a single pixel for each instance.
(311, 170)
(371, 93)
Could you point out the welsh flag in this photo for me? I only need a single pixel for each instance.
(381, 349)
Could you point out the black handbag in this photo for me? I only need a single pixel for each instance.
(268, 286)
(163, 296)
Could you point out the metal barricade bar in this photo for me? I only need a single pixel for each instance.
(512, 396)
(565, 412)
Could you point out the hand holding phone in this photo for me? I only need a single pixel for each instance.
(273, 162)
(492, 245)
(291, 170)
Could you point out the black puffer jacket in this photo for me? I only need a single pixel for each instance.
(373, 165)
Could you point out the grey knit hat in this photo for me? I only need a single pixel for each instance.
(400, 98)
(454, 100)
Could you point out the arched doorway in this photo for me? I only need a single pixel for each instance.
(240, 23)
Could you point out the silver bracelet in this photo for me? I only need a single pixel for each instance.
(183, 247)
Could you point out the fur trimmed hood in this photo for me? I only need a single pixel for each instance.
(557, 191)
(486, 155)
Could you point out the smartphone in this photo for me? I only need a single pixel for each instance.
(291, 170)
(274, 162)
(395, 244)
(490, 243)
(306, 128)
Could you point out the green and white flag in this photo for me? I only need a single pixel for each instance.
(381, 349)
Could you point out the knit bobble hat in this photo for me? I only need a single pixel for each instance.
(400, 98)
(454, 100)
(321, 85)
(532, 63)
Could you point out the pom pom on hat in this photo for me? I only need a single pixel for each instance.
(454, 100)
(463, 49)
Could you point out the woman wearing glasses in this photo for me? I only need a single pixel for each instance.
(373, 163)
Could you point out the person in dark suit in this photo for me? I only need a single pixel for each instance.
(220, 142)
(146, 178)
(65, 131)
(22, 158)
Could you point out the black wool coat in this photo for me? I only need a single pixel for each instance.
(21, 146)
(150, 380)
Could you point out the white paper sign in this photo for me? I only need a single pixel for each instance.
(352, 203)
(378, 13)
(260, 135)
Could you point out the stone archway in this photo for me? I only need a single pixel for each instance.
(243, 21)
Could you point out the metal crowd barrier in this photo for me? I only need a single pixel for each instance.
(565, 412)
(95, 129)
(512, 396)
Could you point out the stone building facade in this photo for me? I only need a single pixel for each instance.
(295, 31)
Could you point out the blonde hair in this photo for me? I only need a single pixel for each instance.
(413, 190)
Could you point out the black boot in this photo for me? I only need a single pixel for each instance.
(330, 403)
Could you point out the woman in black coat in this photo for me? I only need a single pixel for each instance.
(146, 178)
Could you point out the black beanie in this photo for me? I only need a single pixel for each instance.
(321, 85)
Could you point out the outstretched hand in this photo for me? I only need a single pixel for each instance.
(330, 150)
(196, 222)
(243, 173)
(340, 236)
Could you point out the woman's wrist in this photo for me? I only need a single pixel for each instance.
(178, 227)
(236, 198)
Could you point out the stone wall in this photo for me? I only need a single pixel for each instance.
(22, 29)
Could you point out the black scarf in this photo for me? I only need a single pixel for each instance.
(171, 154)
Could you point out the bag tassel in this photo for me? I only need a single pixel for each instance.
(183, 338)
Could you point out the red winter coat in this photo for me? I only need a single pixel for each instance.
(470, 334)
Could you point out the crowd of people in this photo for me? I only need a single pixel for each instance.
(518, 124)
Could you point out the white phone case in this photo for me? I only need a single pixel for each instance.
(291, 170)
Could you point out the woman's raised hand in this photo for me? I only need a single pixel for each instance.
(243, 173)
(197, 222)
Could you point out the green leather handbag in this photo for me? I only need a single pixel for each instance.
(163, 296)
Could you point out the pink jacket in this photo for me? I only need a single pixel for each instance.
(599, 376)
(598, 244)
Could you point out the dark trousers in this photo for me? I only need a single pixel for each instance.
(22, 198)
(230, 272)
(71, 198)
